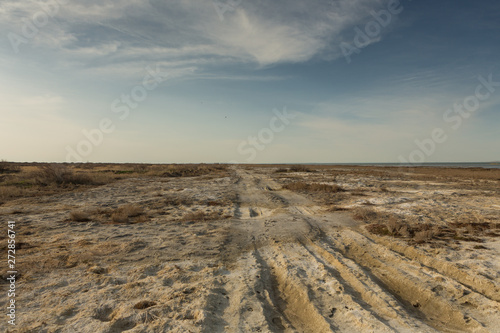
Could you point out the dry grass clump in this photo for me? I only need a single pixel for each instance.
(8, 167)
(315, 187)
(202, 216)
(35, 179)
(366, 215)
(299, 168)
(424, 236)
(187, 170)
(218, 203)
(471, 231)
(79, 216)
(124, 213)
(61, 175)
(417, 233)
(178, 201)
(359, 192)
(382, 223)
(144, 305)
(10, 192)
(335, 208)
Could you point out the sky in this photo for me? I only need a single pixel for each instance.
(240, 81)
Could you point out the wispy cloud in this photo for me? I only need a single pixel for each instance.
(187, 33)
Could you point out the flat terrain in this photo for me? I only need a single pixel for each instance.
(261, 249)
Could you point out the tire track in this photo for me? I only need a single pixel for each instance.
(412, 284)
(473, 281)
(381, 303)
(310, 272)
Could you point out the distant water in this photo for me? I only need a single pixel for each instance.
(487, 165)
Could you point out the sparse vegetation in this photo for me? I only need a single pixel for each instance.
(386, 224)
(300, 168)
(202, 216)
(315, 187)
(79, 216)
(36, 179)
(8, 167)
(124, 213)
(187, 170)
(60, 174)
(366, 215)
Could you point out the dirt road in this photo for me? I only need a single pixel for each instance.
(281, 263)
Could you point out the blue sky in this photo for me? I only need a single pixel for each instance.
(226, 69)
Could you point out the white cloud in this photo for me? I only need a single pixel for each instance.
(188, 33)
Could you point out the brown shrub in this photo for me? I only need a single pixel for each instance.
(8, 167)
(424, 236)
(315, 187)
(187, 170)
(59, 174)
(366, 214)
(144, 305)
(177, 201)
(202, 216)
(378, 229)
(300, 168)
(335, 208)
(124, 213)
(119, 217)
(195, 216)
(393, 225)
(8, 192)
(79, 216)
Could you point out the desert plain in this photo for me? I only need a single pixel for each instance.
(251, 248)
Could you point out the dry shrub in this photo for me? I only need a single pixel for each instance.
(335, 208)
(59, 174)
(79, 216)
(393, 225)
(378, 229)
(473, 227)
(119, 217)
(195, 216)
(132, 210)
(358, 192)
(8, 167)
(366, 215)
(300, 168)
(144, 305)
(217, 203)
(124, 213)
(187, 170)
(404, 231)
(384, 188)
(177, 201)
(424, 236)
(8, 192)
(281, 170)
(306, 187)
(202, 216)
(383, 223)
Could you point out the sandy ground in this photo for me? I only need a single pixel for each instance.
(273, 260)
